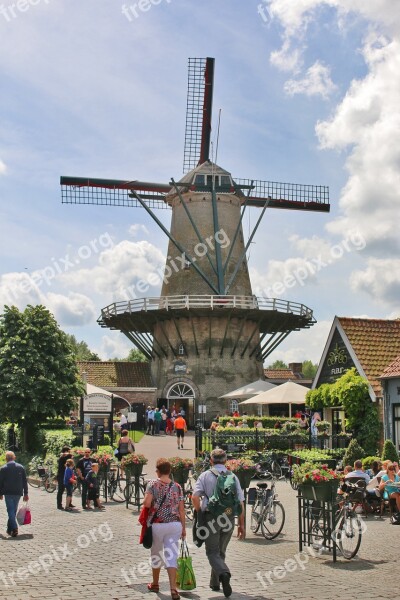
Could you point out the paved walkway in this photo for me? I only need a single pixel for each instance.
(164, 446)
(66, 556)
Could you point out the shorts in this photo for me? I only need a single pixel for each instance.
(180, 433)
(93, 494)
(69, 488)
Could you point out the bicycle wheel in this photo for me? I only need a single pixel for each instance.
(273, 520)
(118, 489)
(348, 534)
(255, 518)
(50, 486)
(188, 504)
(35, 483)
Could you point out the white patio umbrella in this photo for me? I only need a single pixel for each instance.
(250, 390)
(287, 393)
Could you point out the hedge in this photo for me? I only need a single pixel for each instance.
(267, 422)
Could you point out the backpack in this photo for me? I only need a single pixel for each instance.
(225, 497)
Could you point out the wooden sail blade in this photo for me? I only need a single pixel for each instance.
(112, 192)
(295, 196)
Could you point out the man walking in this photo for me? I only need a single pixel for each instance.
(218, 531)
(13, 485)
(84, 467)
(64, 456)
(150, 421)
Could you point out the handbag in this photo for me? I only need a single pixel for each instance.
(185, 577)
(147, 539)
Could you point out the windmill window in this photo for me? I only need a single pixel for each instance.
(233, 406)
(225, 181)
(181, 350)
(199, 180)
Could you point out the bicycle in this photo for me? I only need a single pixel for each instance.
(114, 484)
(134, 491)
(267, 512)
(348, 525)
(187, 500)
(44, 477)
(268, 466)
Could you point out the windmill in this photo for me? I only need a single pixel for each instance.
(206, 333)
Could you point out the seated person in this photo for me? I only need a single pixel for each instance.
(302, 422)
(376, 467)
(386, 486)
(358, 472)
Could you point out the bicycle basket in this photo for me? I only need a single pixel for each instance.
(41, 471)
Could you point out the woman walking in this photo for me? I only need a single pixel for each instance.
(164, 499)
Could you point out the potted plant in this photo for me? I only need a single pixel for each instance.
(323, 427)
(180, 468)
(316, 482)
(104, 459)
(77, 454)
(133, 464)
(244, 470)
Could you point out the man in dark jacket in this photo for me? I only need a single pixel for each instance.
(84, 467)
(13, 485)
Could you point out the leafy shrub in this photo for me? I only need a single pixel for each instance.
(354, 452)
(55, 440)
(389, 451)
(267, 422)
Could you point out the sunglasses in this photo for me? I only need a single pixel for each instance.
(390, 468)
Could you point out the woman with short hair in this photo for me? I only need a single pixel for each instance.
(164, 499)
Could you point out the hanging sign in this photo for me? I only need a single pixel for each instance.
(97, 403)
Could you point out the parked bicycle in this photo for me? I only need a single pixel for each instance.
(270, 466)
(113, 484)
(348, 525)
(267, 512)
(41, 475)
(134, 491)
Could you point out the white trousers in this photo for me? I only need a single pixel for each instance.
(165, 548)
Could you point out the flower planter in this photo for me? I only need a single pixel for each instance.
(245, 478)
(181, 476)
(133, 470)
(324, 491)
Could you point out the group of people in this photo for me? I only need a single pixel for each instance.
(86, 471)
(163, 507)
(381, 480)
(169, 421)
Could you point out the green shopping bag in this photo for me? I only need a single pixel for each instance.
(185, 577)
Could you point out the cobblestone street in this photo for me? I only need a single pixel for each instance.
(96, 555)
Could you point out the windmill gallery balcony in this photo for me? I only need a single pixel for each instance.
(270, 318)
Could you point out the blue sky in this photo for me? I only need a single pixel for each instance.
(309, 93)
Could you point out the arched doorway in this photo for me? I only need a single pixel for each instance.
(182, 395)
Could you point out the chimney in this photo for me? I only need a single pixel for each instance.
(296, 368)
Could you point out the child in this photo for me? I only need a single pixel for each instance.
(93, 487)
(69, 480)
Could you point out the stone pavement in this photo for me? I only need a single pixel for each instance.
(68, 556)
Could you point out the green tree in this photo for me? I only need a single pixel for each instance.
(309, 369)
(39, 377)
(353, 452)
(389, 451)
(278, 364)
(134, 355)
(80, 349)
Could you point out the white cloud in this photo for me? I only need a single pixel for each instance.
(317, 82)
(3, 167)
(138, 228)
(380, 280)
(71, 310)
(119, 269)
(115, 345)
(287, 58)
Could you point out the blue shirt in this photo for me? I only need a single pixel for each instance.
(359, 474)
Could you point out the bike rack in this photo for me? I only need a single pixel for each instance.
(317, 524)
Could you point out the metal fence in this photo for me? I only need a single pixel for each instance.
(264, 439)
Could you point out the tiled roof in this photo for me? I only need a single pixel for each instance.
(117, 374)
(393, 370)
(281, 374)
(376, 342)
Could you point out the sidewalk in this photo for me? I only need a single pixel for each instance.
(164, 446)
